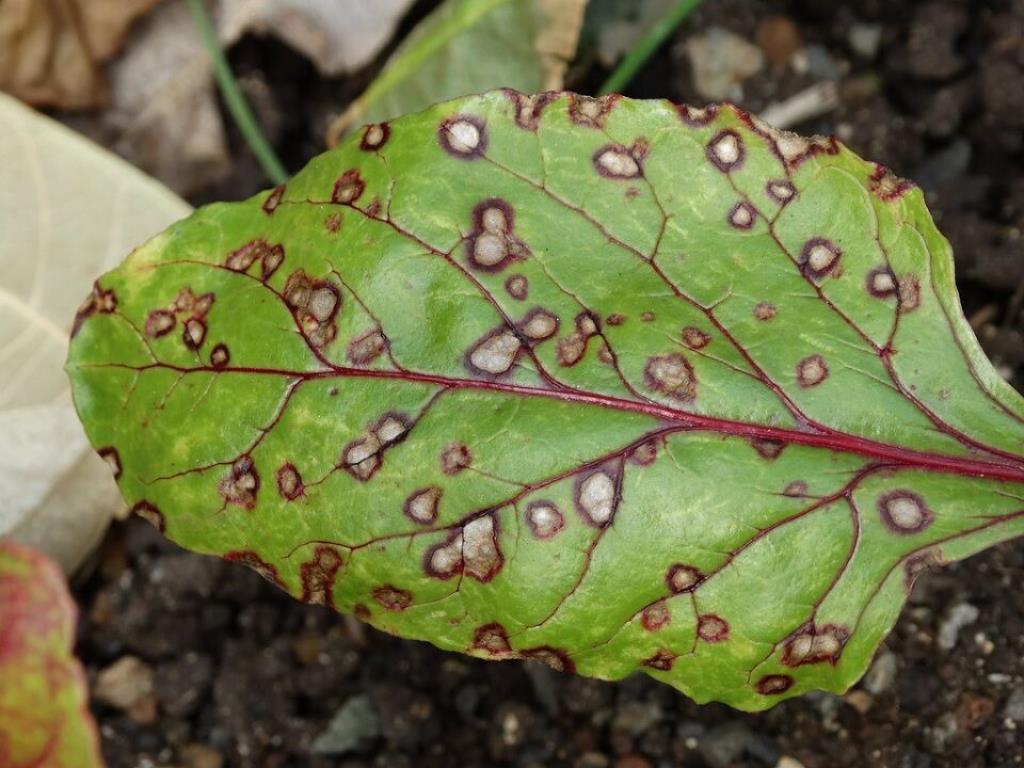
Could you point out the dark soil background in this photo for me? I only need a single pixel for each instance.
(234, 673)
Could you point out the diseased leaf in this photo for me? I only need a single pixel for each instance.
(469, 46)
(68, 210)
(44, 718)
(615, 385)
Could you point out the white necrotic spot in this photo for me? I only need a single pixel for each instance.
(585, 325)
(781, 191)
(494, 220)
(672, 375)
(479, 551)
(617, 162)
(517, 287)
(791, 146)
(272, 260)
(367, 348)
(455, 458)
(826, 645)
(656, 616)
(289, 483)
(695, 116)
(811, 371)
(589, 108)
(463, 136)
(682, 578)
(447, 559)
(195, 332)
(360, 458)
(490, 249)
(882, 283)
(727, 149)
(821, 258)
(571, 349)
(422, 505)
(390, 429)
(220, 356)
(374, 136)
(323, 302)
(812, 645)
(540, 325)
(545, 520)
(159, 322)
(712, 629)
(496, 354)
(905, 512)
(800, 647)
(596, 497)
(742, 216)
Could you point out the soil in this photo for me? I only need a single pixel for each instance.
(245, 676)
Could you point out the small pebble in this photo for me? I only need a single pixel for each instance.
(1013, 710)
(881, 674)
(353, 728)
(201, 756)
(124, 683)
(722, 746)
(865, 39)
(779, 38)
(721, 61)
(956, 618)
(636, 717)
(860, 701)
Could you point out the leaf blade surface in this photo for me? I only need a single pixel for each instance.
(614, 385)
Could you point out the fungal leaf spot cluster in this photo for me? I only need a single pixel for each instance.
(599, 384)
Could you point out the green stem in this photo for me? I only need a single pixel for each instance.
(646, 47)
(236, 103)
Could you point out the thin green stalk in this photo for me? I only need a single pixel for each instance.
(237, 105)
(646, 46)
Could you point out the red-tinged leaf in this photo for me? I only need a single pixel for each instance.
(44, 716)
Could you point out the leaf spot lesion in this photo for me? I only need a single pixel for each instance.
(463, 136)
(241, 485)
(423, 505)
(598, 495)
(726, 151)
(492, 244)
(375, 136)
(544, 518)
(672, 375)
(904, 512)
(811, 371)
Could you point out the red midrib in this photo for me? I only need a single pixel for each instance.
(830, 440)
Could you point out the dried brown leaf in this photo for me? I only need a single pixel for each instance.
(52, 51)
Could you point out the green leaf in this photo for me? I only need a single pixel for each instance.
(469, 46)
(612, 384)
(44, 717)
